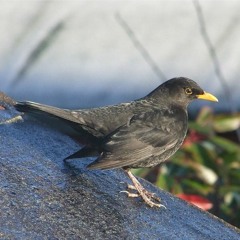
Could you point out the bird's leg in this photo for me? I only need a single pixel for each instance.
(146, 196)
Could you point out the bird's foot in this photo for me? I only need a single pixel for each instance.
(131, 195)
(131, 187)
(147, 193)
(148, 197)
(151, 195)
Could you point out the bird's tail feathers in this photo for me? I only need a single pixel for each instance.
(83, 152)
(35, 108)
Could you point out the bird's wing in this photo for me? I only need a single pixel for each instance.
(145, 135)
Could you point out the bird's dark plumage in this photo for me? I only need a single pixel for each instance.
(142, 133)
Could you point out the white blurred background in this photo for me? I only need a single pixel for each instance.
(77, 54)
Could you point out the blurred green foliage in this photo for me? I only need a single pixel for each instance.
(208, 165)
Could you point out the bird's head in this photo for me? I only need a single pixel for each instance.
(182, 91)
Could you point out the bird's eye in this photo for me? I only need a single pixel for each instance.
(188, 91)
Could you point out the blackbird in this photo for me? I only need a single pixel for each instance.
(141, 133)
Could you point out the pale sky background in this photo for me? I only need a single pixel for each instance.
(76, 54)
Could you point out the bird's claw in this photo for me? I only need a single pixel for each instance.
(149, 198)
(151, 195)
(129, 186)
(132, 195)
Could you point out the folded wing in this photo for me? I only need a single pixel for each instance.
(144, 136)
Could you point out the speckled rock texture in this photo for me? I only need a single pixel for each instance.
(43, 198)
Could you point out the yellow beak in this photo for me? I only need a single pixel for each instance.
(207, 96)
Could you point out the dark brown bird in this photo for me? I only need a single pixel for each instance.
(141, 133)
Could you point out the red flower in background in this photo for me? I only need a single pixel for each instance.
(196, 200)
(193, 137)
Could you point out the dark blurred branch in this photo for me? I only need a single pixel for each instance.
(211, 50)
(38, 50)
(213, 55)
(137, 44)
